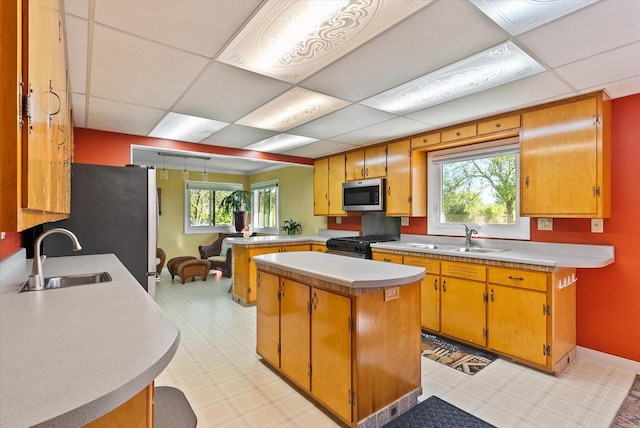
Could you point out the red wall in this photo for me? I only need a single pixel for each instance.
(10, 244)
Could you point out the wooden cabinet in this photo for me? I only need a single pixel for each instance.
(368, 163)
(406, 181)
(425, 140)
(386, 257)
(497, 125)
(244, 269)
(321, 248)
(459, 133)
(565, 160)
(36, 181)
(328, 176)
(295, 335)
(429, 291)
(268, 318)
(137, 412)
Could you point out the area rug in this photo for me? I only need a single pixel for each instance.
(455, 355)
(436, 413)
(629, 413)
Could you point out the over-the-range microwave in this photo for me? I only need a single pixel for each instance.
(363, 195)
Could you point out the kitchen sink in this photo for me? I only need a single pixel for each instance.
(72, 280)
(477, 250)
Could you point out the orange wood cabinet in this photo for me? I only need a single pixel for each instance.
(565, 157)
(368, 163)
(406, 180)
(36, 124)
(328, 176)
(321, 248)
(429, 291)
(327, 347)
(244, 269)
(137, 412)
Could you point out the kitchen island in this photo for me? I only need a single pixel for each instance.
(71, 355)
(345, 330)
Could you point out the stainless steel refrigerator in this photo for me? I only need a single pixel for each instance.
(113, 210)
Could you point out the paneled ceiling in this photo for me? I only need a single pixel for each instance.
(133, 62)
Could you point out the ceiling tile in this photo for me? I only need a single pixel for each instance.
(611, 66)
(77, 33)
(619, 89)
(511, 96)
(228, 93)
(78, 101)
(346, 120)
(320, 148)
(426, 41)
(238, 136)
(595, 29)
(202, 27)
(77, 7)
(132, 70)
(383, 131)
(107, 115)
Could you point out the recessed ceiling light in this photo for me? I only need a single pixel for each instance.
(281, 143)
(290, 40)
(291, 109)
(516, 17)
(496, 66)
(182, 127)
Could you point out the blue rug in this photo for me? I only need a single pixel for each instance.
(436, 413)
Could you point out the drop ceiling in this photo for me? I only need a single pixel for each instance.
(134, 62)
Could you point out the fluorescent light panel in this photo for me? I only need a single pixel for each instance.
(281, 143)
(291, 109)
(517, 17)
(290, 40)
(496, 66)
(182, 127)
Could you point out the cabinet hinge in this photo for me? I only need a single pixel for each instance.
(409, 199)
(410, 154)
(309, 369)
(351, 325)
(546, 310)
(279, 349)
(546, 350)
(25, 105)
(597, 119)
(485, 333)
(352, 397)
(249, 290)
(596, 191)
(485, 297)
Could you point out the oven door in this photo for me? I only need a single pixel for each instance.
(346, 253)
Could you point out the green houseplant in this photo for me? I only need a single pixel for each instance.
(237, 202)
(291, 226)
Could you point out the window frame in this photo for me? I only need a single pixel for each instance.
(521, 230)
(205, 185)
(255, 204)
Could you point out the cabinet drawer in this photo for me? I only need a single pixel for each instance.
(295, 247)
(319, 248)
(425, 140)
(389, 258)
(518, 278)
(430, 265)
(464, 270)
(459, 133)
(501, 124)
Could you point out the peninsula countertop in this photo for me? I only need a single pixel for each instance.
(267, 240)
(70, 355)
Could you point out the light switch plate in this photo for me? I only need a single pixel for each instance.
(545, 224)
(338, 220)
(404, 221)
(3, 235)
(597, 225)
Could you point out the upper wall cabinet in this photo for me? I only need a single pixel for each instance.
(565, 155)
(37, 134)
(328, 176)
(368, 163)
(406, 180)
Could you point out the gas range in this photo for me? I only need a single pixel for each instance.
(356, 246)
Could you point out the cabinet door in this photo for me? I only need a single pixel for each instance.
(336, 178)
(331, 351)
(294, 332)
(268, 318)
(516, 322)
(375, 162)
(292, 248)
(558, 158)
(430, 302)
(251, 291)
(399, 178)
(354, 165)
(463, 309)
(320, 187)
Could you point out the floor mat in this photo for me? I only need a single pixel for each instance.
(455, 355)
(436, 413)
(629, 413)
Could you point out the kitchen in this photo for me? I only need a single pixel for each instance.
(606, 298)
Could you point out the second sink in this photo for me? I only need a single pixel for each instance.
(72, 280)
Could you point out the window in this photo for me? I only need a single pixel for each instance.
(201, 207)
(265, 207)
(478, 187)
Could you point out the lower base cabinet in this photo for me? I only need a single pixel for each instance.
(137, 412)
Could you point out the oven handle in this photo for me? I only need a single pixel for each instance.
(346, 253)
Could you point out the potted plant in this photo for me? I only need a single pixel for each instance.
(291, 226)
(237, 202)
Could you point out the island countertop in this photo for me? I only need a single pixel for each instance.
(353, 275)
(70, 355)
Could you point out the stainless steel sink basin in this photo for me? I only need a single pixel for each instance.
(72, 280)
(477, 250)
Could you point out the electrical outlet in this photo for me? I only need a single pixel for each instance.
(393, 411)
(3, 235)
(545, 224)
(404, 221)
(597, 225)
(338, 220)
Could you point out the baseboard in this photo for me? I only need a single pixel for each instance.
(9, 263)
(610, 360)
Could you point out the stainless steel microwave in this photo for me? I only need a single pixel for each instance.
(363, 195)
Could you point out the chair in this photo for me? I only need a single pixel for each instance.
(160, 258)
(219, 253)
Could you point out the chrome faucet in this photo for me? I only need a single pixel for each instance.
(468, 232)
(36, 279)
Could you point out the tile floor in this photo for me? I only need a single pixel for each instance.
(217, 368)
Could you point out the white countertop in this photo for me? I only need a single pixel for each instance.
(533, 253)
(70, 355)
(278, 239)
(348, 272)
